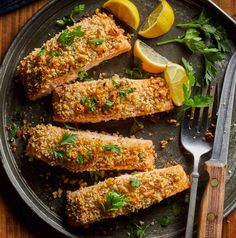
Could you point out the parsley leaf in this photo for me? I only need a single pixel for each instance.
(115, 84)
(90, 154)
(54, 53)
(69, 19)
(193, 101)
(67, 37)
(96, 41)
(69, 127)
(114, 201)
(13, 130)
(176, 208)
(124, 91)
(42, 51)
(84, 76)
(90, 103)
(136, 231)
(59, 154)
(108, 104)
(137, 126)
(165, 221)
(112, 147)
(68, 139)
(189, 71)
(135, 183)
(80, 159)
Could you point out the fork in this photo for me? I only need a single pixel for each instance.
(191, 135)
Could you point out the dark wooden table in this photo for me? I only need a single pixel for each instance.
(16, 219)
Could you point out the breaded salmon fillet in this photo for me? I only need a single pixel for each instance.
(110, 99)
(124, 194)
(80, 151)
(79, 47)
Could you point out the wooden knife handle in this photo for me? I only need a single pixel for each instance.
(212, 204)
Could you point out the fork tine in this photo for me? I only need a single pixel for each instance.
(186, 119)
(206, 110)
(215, 105)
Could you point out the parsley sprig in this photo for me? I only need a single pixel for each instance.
(70, 19)
(189, 100)
(217, 33)
(114, 201)
(196, 43)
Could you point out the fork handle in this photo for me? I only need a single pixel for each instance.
(212, 204)
(192, 205)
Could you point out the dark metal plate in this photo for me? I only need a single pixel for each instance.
(35, 181)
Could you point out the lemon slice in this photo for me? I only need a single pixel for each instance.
(152, 62)
(175, 76)
(125, 11)
(159, 21)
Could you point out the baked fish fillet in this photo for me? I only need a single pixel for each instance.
(80, 151)
(108, 99)
(79, 47)
(124, 194)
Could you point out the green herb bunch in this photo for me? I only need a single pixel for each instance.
(204, 37)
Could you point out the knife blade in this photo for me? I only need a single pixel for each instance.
(212, 204)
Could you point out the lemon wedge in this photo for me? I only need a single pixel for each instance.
(125, 11)
(152, 62)
(159, 21)
(175, 76)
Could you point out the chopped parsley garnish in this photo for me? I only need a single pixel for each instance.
(137, 72)
(13, 130)
(193, 101)
(59, 154)
(108, 104)
(124, 91)
(135, 183)
(196, 43)
(136, 231)
(69, 127)
(54, 53)
(90, 103)
(112, 147)
(70, 20)
(176, 208)
(165, 221)
(115, 84)
(90, 154)
(94, 175)
(104, 62)
(80, 159)
(84, 76)
(114, 201)
(67, 37)
(137, 126)
(96, 41)
(42, 51)
(68, 139)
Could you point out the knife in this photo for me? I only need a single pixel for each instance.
(212, 204)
